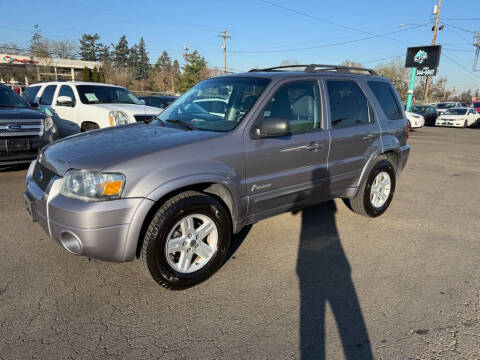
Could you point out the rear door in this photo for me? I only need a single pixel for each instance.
(286, 171)
(354, 132)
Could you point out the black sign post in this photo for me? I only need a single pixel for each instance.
(424, 61)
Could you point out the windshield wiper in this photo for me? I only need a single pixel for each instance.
(7, 105)
(181, 123)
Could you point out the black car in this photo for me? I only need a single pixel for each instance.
(158, 101)
(23, 130)
(427, 111)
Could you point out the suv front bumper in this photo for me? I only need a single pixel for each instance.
(8, 157)
(105, 230)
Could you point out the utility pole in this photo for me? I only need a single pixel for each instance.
(223, 34)
(434, 40)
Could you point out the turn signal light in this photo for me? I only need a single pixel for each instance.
(112, 187)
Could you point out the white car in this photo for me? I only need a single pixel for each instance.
(91, 105)
(444, 106)
(416, 121)
(458, 117)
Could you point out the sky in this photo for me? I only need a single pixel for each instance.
(264, 32)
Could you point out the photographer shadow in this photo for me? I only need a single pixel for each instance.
(325, 277)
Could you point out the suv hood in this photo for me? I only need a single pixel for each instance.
(131, 109)
(99, 149)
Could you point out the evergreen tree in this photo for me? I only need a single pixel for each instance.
(132, 60)
(176, 74)
(195, 70)
(38, 46)
(121, 52)
(89, 47)
(143, 66)
(95, 75)
(164, 62)
(101, 75)
(86, 74)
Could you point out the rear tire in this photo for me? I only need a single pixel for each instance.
(382, 177)
(170, 247)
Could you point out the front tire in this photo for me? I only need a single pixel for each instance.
(375, 194)
(187, 240)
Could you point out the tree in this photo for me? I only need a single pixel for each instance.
(86, 74)
(164, 63)
(11, 48)
(88, 47)
(176, 75)
(143, 66)
(39, 47)
(95, 75)
(133, 60)
(64, 49)
(195, 70)
(121, 52)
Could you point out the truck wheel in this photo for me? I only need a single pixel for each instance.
(375, 194)
(88, 126)
(187, 240)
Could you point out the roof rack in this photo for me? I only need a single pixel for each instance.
(319, 67)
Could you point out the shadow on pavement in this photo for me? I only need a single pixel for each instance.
(324, 274)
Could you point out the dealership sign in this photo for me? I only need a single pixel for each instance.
(17, 59)
(424, 58)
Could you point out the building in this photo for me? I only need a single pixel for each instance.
(21, 69)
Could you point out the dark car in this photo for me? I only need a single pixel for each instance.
(23, 131)
(427, 111)
(158, 101)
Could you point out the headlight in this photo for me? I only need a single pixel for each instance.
(117, 118)
(92, 185)
(48, 123)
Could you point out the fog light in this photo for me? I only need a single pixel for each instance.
(71, 242)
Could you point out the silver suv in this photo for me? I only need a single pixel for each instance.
(231, 151)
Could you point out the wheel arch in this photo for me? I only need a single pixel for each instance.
(220, 191)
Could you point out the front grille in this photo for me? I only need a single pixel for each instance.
(145, 117)
(42, 176)
(21, 127)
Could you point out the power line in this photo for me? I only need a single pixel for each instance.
(460, 65)
(223, 34)
(326, 45)
(461, 19)
(459, 28)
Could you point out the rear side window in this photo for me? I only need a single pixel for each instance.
(348, 104)
(47, 95)
(30, 93)
(66, 90)
(387, 99)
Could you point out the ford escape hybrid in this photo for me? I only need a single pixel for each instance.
(172, 192)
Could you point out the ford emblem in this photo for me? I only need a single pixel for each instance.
(14, 127)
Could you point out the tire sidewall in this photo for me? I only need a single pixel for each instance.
(196, 205)
(386, 166)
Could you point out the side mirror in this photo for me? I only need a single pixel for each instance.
(272, 127)
(142, 101)
(34, 105)
(65, 101)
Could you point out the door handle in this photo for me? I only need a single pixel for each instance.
(314, 146)
(369, 137)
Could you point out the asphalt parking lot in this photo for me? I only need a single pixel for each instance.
(323, 283)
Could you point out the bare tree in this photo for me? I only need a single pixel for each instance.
(397, 73)
(64, 49)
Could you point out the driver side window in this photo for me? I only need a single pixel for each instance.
(299, 103)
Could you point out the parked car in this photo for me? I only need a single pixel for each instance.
(172, 192)
(444, 106)
(91, 105)
(458, 117)
(476, 105)
(158, 101)
(23, 131)
(415, 121)
(428, 112)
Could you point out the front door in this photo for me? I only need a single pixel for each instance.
(67, 112)
(285, 171)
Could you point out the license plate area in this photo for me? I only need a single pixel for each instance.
(17, 145)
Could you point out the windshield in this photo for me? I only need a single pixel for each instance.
(94, 94)
(456, 112)
(9, 99)
(445, 105)
(216, 104)
(418, 109)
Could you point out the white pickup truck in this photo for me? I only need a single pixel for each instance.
(90, 105)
